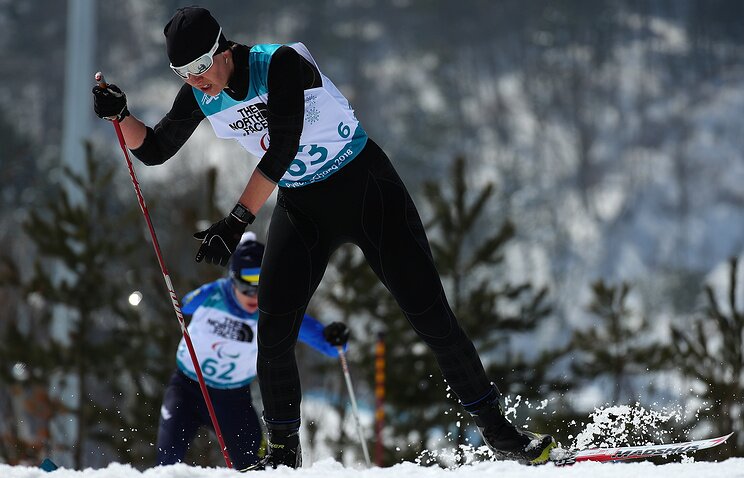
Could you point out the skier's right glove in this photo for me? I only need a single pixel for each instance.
(336, 334)
(110, 103)
(220, 240)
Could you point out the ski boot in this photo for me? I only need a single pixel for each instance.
(505, 440)
(282, 449)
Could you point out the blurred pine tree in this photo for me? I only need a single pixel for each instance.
(616, 346)
(490, 308)
(97, 361)
(708, 351)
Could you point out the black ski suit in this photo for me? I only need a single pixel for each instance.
(364, 203)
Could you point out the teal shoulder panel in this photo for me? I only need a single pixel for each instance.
(213, 104)
(258, 61)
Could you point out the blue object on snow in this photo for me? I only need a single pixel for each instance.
(48, 465)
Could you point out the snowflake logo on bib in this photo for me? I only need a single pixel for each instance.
(312, 113)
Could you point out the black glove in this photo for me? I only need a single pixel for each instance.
(336, 334)
(110, 103)
(220, 240)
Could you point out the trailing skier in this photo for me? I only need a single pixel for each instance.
(223, 328)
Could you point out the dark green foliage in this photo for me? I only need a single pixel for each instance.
(97, 360)
(490, 308)
(619, 351)
(616, 346)
(708, 351)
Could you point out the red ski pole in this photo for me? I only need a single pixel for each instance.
(174, 298)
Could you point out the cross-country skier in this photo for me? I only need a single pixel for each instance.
(223, 329)
(336, 185)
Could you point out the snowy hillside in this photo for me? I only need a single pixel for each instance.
(330, 469)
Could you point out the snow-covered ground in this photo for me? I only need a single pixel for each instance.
(330, 469)
(609, 426)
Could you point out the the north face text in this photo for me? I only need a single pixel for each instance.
(253, 119)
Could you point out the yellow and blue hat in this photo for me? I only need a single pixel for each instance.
(245, 266)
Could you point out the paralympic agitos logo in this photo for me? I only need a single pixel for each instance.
(252, 119)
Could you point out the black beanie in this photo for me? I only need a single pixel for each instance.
(191, 33)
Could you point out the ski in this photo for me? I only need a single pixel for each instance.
(561, 457)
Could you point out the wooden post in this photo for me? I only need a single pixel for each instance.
(379, 397)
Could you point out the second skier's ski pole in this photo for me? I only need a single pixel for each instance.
(352, 397)
(174, 298)
(337, 334)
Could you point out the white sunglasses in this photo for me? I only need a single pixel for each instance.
(200, 65)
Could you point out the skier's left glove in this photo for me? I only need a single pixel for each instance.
(222, 237)
(336, 334)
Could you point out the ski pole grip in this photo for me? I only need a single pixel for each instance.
(101, 80)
